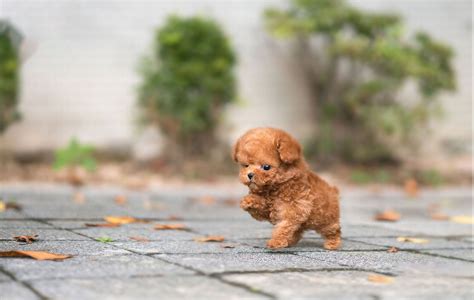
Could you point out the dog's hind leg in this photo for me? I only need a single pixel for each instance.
(332, 236)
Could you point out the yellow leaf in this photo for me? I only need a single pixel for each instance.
(462, 219)
(120, 219)
(412, 240)
(38, 255)
(380, 278)
(3, 206)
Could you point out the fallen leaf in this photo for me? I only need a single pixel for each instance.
(105, 239)
(210, 238)
(411, 187)
(227, 246)
(207, 200)
(231, 202)
(392, 250)
(102, 225)
(388, 215)
(13, 205)
(79, 198)
(139, 239)
(120, 219)
(10, 205)
(412, 240)
(439, 216)
(170, 227)
(26, 238)
(174, 218)
(121, 200)
(38, 255)
(462, 219)
(380, 278)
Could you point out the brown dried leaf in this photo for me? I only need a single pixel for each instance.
(139, 239)
(120, 200)
(207, 200)
(439, 216)
(411, 187)
(170, 227)
(227, 246)
(10, 205)
(412, 240)
(120, 219)
(101, 225)
(388, 215)
(26, 238)
(210, 238)
(174, 218)
(392, 250)
(38, 255)
(380, 278)
(231, 202)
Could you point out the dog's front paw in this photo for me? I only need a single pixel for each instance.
(275, 244)
(248, 203)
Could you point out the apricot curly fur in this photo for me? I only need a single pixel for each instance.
(288, 195)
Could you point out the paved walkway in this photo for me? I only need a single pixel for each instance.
(170, 264)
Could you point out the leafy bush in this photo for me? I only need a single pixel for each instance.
(75, 155)
(187, 82)
(9, 76)
(359, 64)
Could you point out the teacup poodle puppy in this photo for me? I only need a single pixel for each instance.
(283, 190)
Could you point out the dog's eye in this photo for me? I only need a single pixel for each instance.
(245, 166)
(266, 167)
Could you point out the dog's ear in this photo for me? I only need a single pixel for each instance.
(288, 149)
(235, 149)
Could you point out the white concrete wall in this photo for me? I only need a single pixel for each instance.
(79, 77)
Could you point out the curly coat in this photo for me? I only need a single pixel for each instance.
(283, 190)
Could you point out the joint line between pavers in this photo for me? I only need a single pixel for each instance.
(23, 283)
(248, 289)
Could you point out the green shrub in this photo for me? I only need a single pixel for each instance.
(186, 83)
(75, 155)
(9, 76)
(359, 63)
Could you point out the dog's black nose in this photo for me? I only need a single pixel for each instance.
(250, 175)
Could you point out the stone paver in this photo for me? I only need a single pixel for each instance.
(170, 287)
(353, 285)
(172, 265)
(15, 290)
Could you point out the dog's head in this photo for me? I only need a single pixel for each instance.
(267, 158)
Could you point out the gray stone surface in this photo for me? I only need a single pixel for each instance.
(313, 244)
(172, 265)
(397, 263)
(98, 266)
(124, 233)
(83, 248)
(27, 224)
(4, 277)
(14, 291)
(43, 234)
(185, 247)
(253, 262)
(171, 287)
(354, 285)
(466, 254)
(432, 243)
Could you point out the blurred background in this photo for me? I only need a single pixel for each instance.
(136, 92)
